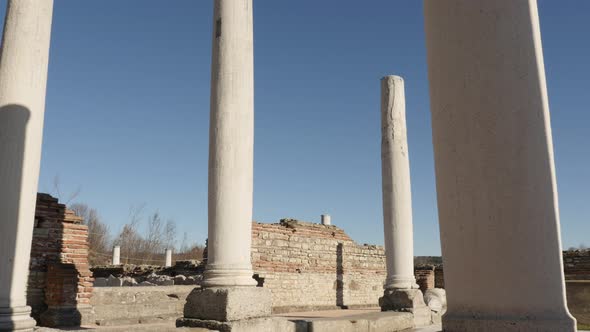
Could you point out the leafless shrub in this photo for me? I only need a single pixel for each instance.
(57, 192)
(98, 233)
(137, 246)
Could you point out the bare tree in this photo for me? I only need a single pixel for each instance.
(170, 234)
(193, 252)
(99, 241)
(153, 243)
(137, 247)
(130, 241)
(57, 192)
(184, 244)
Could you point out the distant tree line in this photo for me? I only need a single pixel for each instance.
(139, 245)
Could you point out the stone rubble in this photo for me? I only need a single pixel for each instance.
(151, 280)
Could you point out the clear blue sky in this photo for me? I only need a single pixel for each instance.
(128, 109)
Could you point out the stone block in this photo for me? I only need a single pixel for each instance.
(228, 304)
(114, 281)
(100, 282)
(401, 299)
(128, 281)
(407, 300)
(375, 322)
(180, 280)
(436, 299)
(245, 325)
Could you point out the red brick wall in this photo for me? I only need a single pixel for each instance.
(439, 277)
(424, 277)
(59, 275)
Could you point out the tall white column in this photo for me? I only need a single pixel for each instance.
(495, 174)
(168, 258)
(397, 195)
(326, 219)
(231, 146)
(401, 291)
(23, 78)
(228, 292)
(117, 255)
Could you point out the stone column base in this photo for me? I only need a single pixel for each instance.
(16, 319)
(407, 300)
(227, 309)
(464, 324)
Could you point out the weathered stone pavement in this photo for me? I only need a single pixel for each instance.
(329, 320)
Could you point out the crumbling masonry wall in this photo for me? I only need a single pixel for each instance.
(60, 282)
(314, 266)
(425, 277)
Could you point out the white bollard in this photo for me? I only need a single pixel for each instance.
(168, 258)
(117, 255)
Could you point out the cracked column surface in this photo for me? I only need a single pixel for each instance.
(397, 196)
(401, 291)
(23, 79)
(231, 146)
(495, 174)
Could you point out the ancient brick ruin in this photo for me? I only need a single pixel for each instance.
(60, 282)
(425, 277)
(307, 266)
(313, 266)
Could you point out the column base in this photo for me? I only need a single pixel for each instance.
(16, 319)
(407, 300)
(227, 304)
(219, 277)
(396, 282)
(452, 323)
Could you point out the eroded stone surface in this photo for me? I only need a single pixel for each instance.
(395, 177)
(228, 304)
(436, 299)
(407, 300)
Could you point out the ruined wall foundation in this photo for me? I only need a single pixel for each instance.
(314, 266)
(60, 283)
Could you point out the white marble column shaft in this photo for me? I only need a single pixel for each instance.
(23, 78)
(495, 174)
(231, 146)
(397, 196)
